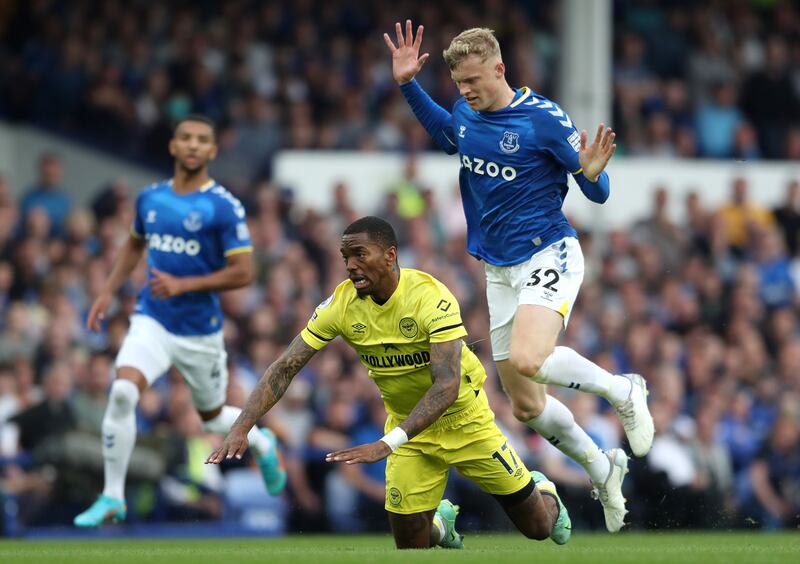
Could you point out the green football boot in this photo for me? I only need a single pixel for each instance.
(562, 530)
(448, 512)
(105, 509)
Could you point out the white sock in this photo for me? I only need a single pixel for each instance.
(564, 367)
(557, 425)
(223, 422)
(119, 435)
(438, 529)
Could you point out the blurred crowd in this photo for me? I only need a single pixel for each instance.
(694, 79)
(707, 309)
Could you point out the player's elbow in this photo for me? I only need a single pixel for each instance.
(450, 390)
(242, 276)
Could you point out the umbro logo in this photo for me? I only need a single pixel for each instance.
(358, 328)
(462, 130)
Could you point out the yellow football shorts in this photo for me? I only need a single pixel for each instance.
(469, 440)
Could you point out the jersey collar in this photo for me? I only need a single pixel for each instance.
(204, 188)
(393, 298)
(520, 96)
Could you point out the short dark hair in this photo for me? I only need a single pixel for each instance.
(196, 117)
(377, 229)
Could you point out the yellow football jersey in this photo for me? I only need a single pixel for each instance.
(393, 339)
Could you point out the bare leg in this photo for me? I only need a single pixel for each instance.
(535, 516)
(413, 531)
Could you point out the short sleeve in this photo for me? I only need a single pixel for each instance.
(323, 327)
(441, 315)
(233, 228)
(137, 228)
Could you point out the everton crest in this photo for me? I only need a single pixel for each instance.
(510, 142)
(193, 222)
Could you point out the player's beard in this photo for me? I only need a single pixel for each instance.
(191, 170)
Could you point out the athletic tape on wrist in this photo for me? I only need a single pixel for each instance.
(395, 438)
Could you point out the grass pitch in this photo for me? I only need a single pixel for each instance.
(651, 548)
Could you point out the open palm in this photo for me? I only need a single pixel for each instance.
(406, 61)
(595, 157)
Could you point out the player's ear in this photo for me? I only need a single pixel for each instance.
(391, 255)
(172, 149)
(500, 69)
(213, 154)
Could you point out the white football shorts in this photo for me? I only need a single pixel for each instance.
(201, 360)
(550, 278)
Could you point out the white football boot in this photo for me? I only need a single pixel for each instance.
(635, 416)
(610, 492)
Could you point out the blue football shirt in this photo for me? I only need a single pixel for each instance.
(188, 235)
(514, 168)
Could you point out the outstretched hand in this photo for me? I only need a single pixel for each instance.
(372, 452)
(595, 157)
(406, 61)
(234, 445)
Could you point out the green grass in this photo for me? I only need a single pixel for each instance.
(653, 548)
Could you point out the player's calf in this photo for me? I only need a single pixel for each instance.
(413, 530)
(533, 514)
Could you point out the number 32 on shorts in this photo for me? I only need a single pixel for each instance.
(550, 274)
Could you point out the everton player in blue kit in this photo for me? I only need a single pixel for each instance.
(198, 245)
(516, 150)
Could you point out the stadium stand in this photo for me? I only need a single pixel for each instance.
(707, 307)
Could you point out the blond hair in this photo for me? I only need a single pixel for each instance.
(478, 41)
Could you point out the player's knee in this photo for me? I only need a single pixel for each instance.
(123, 397)
(526, 408)
(528, 363)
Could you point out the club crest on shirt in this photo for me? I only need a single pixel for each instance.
(510, 142)
(193, 222)
(408, 327)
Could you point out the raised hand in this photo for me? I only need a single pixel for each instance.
(406, 61)
(595, 157)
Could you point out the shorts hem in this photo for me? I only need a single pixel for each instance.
(395, 511)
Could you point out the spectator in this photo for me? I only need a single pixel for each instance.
(739, 216)
(770, 101)
(787, 216)
(49, 194)
(775, 474)
(717, 122)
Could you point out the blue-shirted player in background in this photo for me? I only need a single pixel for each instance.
(198, 245)
(517, 149)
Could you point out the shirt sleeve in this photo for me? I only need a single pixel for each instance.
(233, 228)
(323, 327)
(562, 141)
(441, 315)
(137, 227)
(437, 121)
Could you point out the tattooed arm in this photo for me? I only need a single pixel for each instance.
(446, 376)
(267, 392)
